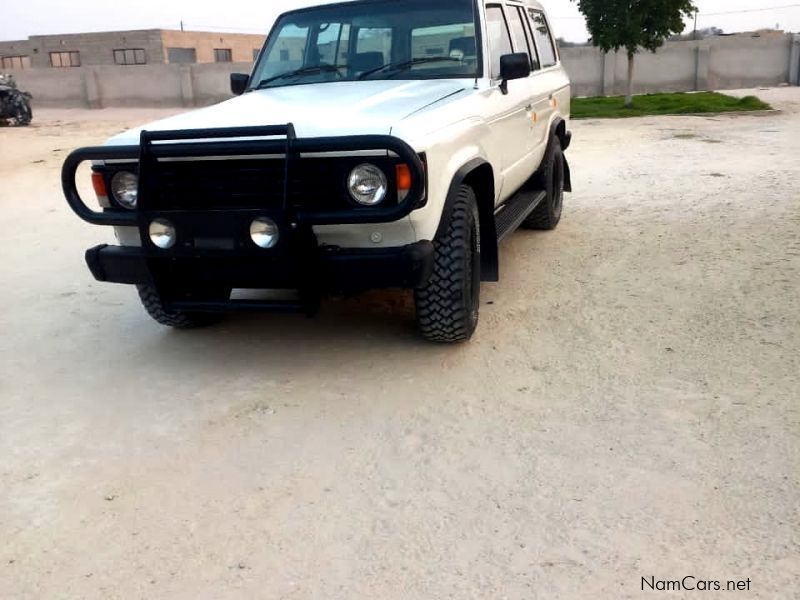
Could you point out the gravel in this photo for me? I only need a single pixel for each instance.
(628, 409)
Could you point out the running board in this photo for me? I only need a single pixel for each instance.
(511, 215)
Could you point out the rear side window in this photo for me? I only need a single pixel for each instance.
(499, 37)
(543, 38)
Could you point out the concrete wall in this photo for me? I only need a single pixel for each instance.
(54, 87)
(718, 63)
(146, 86)
(750, 62)
(585, 66)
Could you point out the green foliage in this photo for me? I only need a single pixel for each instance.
(663, 104)
(631, 24)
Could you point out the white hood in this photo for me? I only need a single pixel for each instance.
(343, 108)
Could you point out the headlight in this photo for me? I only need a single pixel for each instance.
(367, 185)
(265, 233)
(163, 234)
(125, 189)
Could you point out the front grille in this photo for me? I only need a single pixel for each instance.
(213, 184)
(314, 183)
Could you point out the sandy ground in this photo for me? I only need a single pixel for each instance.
(628, 409)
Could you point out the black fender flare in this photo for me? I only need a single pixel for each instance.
(479, 175)
(558, 130)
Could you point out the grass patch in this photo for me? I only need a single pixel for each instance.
(663, 104)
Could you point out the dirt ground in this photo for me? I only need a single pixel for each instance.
(628, 409)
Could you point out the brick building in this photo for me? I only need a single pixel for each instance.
(149, 46)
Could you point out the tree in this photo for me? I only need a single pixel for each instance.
(634, 24)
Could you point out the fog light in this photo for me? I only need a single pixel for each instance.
(162, 234)
(265, 233)
(125, 189)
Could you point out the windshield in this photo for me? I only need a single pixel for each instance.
(380, 39)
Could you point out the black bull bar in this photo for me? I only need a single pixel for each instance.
(298, 259)
(240, 142)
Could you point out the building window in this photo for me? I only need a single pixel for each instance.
(223, 55)
(65, 59)
(131, 56)
(182, 56)
(16, 62)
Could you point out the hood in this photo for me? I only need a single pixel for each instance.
(324, 109)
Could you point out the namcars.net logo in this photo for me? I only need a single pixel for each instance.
(694, 584)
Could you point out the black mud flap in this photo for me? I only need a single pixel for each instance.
(567, 176)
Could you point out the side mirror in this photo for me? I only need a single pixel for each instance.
(239, 83)
(514, 66)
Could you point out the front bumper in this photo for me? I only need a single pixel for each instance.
(213, 252)
(335, 270)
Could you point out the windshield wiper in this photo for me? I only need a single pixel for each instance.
(312, 70)
(407, 64)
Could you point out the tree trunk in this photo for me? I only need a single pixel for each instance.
(629, 95)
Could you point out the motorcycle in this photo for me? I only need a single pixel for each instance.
(15, 105)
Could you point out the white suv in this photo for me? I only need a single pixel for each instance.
(376, 144)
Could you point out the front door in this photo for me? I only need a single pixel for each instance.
(512, 125)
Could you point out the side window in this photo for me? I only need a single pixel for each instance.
(544, 39)
(499, 37)
(518, 33)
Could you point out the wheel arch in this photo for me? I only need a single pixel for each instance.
(479, 175)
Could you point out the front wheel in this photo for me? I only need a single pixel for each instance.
(448, 306)
(24, 114)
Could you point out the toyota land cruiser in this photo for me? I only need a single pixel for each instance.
(376, 144)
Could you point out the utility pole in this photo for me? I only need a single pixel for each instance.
(183, 29)
(694, 35)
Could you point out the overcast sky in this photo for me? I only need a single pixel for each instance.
(22, 18)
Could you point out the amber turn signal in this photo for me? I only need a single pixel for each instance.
(99, 185)
(403, 178)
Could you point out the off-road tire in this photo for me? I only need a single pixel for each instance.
(547, 215)
(154, 305)
(448, 306)
(24, 116)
